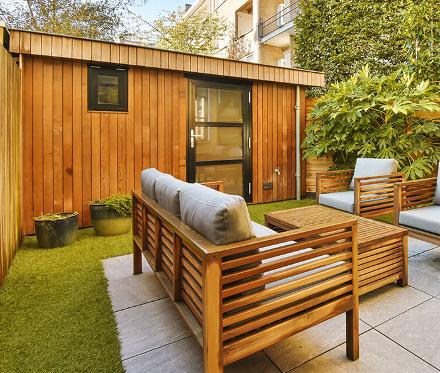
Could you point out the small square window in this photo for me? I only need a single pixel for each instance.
(107, 88)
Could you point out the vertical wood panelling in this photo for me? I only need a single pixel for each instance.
(37, 134)
(35, 43)
(273, 132)
(313, 165)
(48, 138)
(76, 155)
(57, 87)
(67, 135)
(10, 161)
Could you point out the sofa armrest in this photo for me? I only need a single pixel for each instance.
(412, 194)
(268, 283)
(374, 195)
(333, 181)
(216, 185)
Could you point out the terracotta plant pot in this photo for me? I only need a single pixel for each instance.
(107, 221)
(56, 230)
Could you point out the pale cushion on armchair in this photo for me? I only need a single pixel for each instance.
(148, 182)
(424, 218)
(167, 190)
(373, 167)
(340, 200)
(219, 217)
(437, 190)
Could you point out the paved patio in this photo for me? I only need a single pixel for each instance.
(400, 327)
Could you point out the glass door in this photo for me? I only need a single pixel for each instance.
(219, 135)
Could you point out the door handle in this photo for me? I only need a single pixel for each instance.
(194, 136)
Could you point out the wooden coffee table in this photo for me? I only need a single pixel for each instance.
(383, 248)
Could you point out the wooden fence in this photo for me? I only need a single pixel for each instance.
(10, 160)
(314, 165)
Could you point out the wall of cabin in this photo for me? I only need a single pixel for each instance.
(72, 156)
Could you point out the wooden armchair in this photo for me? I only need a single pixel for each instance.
(415, 208)
(372, 195)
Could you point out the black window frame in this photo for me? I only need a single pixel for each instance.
(113, 70)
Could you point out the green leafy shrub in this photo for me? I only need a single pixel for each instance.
(377, 117)
(120, 202)
(339, 37)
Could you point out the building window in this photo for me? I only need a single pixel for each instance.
(107, 88)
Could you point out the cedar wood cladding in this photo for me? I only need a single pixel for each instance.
(48, 45)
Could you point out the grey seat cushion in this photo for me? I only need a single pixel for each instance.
(148, 181)
(340, 200)
(167, 190)
(373, 167)
(437, 189)
(219, 217)
(424, 218)
(261, 230)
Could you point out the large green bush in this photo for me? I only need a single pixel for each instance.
(377, 116)
(338, 37)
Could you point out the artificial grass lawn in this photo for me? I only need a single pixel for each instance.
(257, 211)
(55, 314)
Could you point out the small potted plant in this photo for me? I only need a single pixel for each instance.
(111, 216)
(57, 229)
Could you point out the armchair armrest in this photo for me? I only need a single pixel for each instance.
(374, 195)
(411, 194)
(333, 181)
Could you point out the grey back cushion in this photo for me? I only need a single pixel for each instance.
(167, 190)
(148, 182)
(437, 189)
(373, 167)
(221, 218)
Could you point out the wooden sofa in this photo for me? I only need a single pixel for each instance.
(240, 298)
(417, 196)
(373, 195)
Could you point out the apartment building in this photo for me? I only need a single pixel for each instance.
(264, 26)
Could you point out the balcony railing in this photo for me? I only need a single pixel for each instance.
(278, 20)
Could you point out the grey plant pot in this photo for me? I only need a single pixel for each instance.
(107, 221)
(59, 232)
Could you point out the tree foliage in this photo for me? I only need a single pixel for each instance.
(96, 19)
(378, 117)
(237, 48)
(198, 34)
(340, 36)
(421, 31)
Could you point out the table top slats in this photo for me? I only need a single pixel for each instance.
(369, 231)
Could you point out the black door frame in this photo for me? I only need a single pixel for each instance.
(246, 161)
